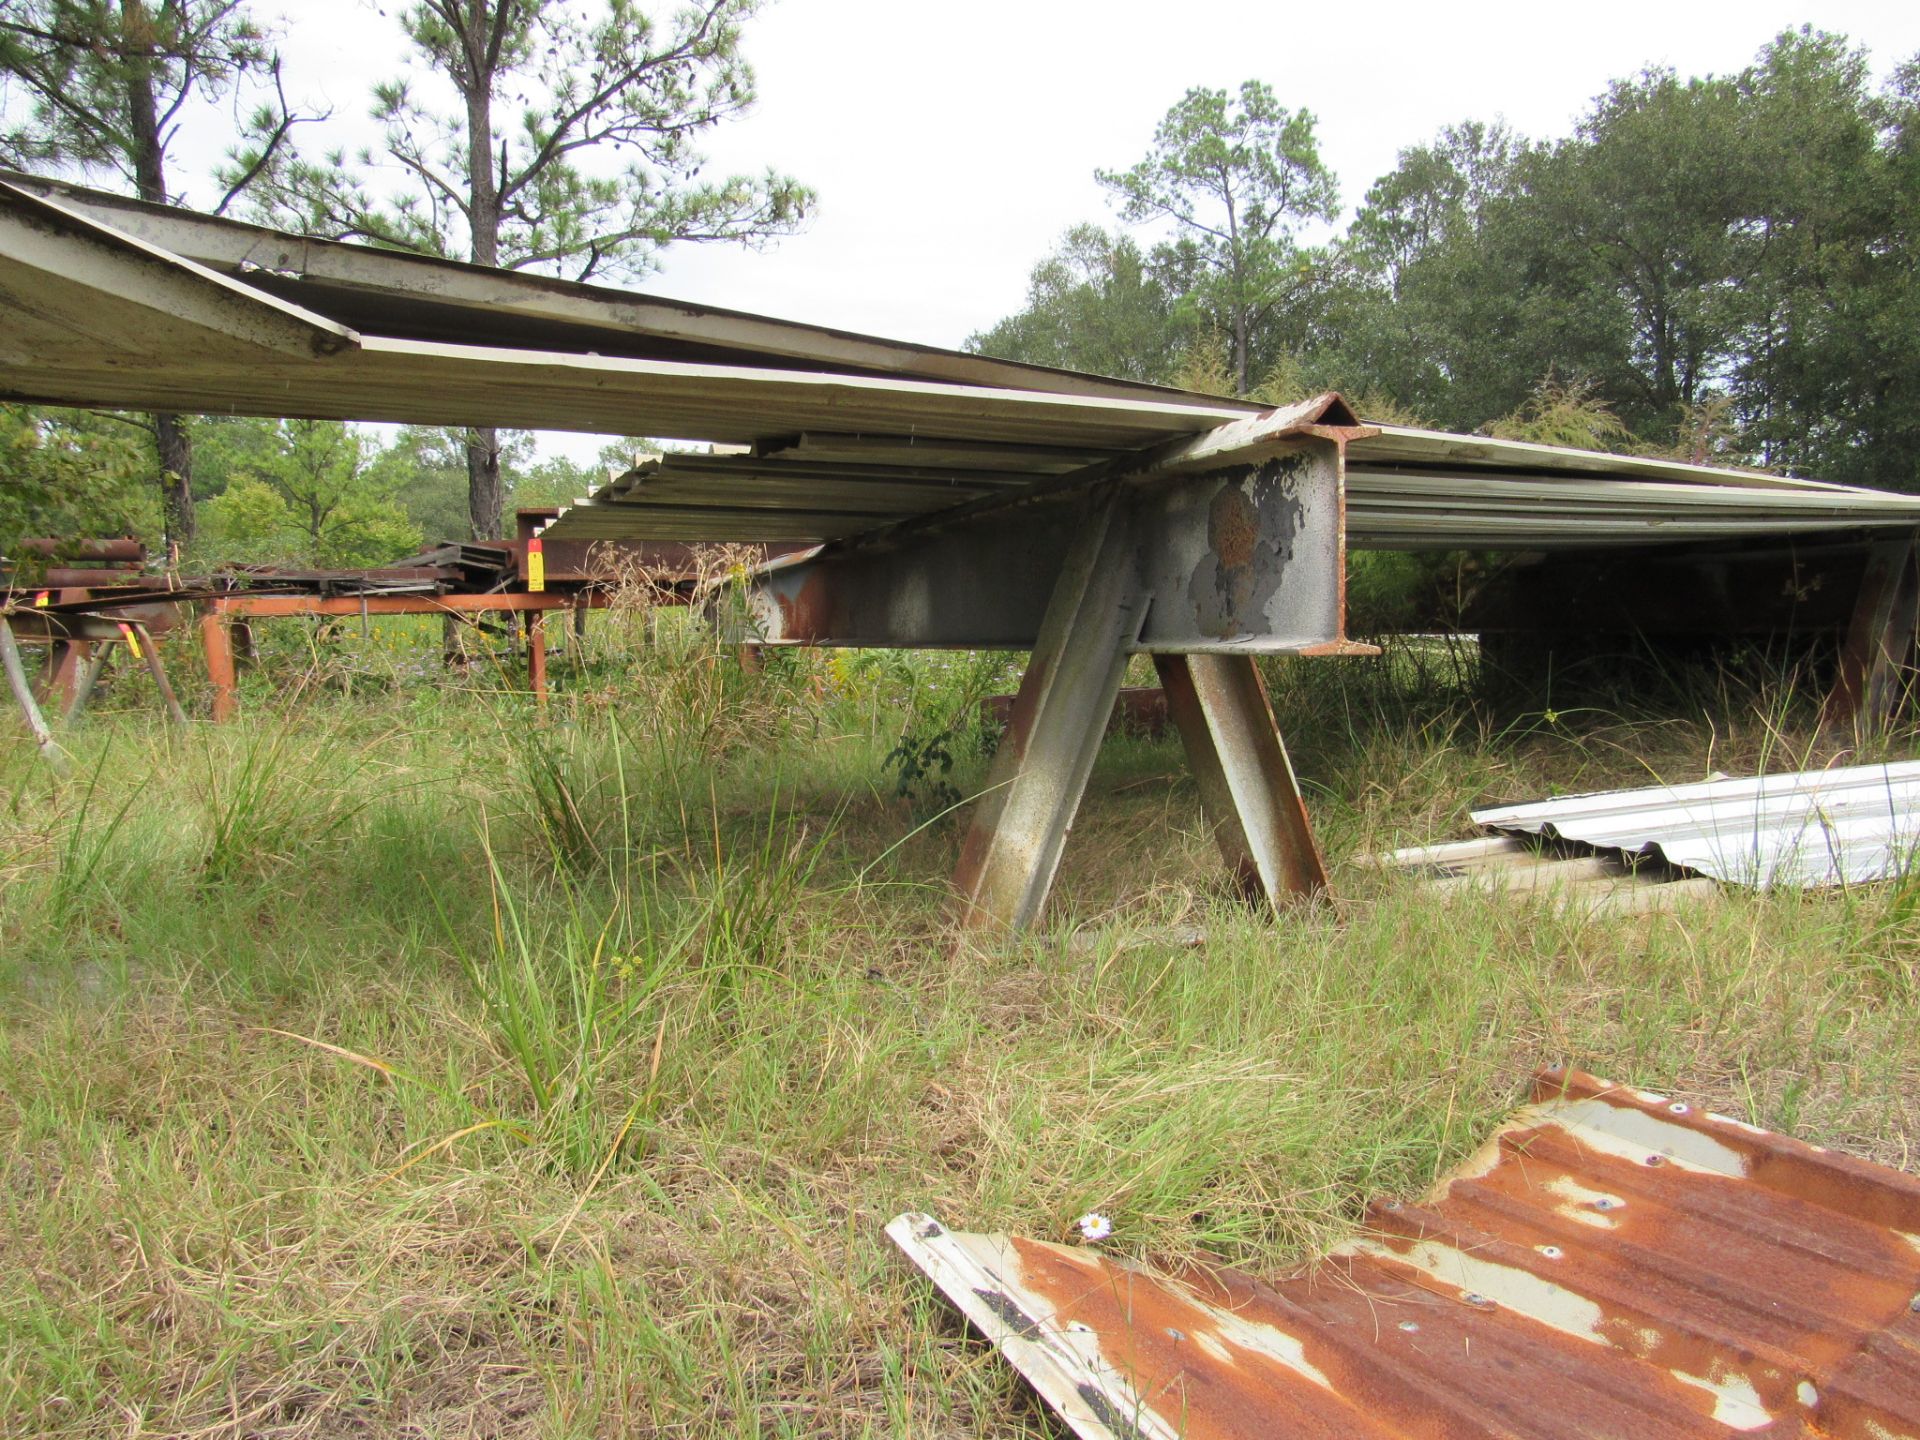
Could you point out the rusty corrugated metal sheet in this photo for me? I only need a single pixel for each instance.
(1612, 1263)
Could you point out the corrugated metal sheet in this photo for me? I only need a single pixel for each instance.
(1406, 490)
(1612, 1264)
(110, 302)
(422, 297)
(98, 317)
(1514, 867)
(1811, 828)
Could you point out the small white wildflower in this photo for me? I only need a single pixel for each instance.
(1094, 1226)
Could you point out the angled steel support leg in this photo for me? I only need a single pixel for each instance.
(1020, 825)
(83, 687)
(23, 695)
(1879, 641)
(1246, 781)
(157, 668)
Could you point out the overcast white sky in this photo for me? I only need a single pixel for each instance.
(952, 143)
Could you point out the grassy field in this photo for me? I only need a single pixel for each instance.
(401, 1061)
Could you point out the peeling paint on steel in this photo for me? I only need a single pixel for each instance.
(1613, 1262)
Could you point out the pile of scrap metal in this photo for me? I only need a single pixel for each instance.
(83, 600)
(1612, 1263)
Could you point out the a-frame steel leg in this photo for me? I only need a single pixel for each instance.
(16, 675)
(1247, 785)
(1880, 639)
(1020, 825)
(157, 668)
(83, 686)
(64, 658)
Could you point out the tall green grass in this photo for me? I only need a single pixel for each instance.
(427, 1063)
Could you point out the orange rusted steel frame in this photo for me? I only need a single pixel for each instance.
(537, 654)
(505, 603)
(220, 612)
(216, 640)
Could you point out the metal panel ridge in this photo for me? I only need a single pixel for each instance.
(1612, 1263)
(1849, 825)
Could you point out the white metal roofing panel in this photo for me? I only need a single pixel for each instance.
(1808, 828)
(427, 297)
(1405, 449)
(112, 303)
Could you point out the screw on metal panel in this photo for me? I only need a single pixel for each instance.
(1474, 1297)
(1656, 1159)
(1679, 1107)
(1606, 1202)
(1392, 1205)
(1552, 1252)
(1409, 1326)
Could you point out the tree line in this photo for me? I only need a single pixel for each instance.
(308, 492)
(1720, 268)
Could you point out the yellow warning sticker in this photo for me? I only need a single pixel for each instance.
(536, 566)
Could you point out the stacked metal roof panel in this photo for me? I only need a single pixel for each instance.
(1808, 828)
(111, 302)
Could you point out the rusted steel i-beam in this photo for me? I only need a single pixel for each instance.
(64, 659)
(1020, 824)
(1247, 785)
(1216, 548)
(1880, 638)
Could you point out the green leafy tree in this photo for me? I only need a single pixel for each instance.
(247, 523)
(335, 507)
(68, 474)
(1094, 304)
(1234, 176)
(1418, 314)
(505, 173)
(100, 87)
(1638, 240)
(1827, 378)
